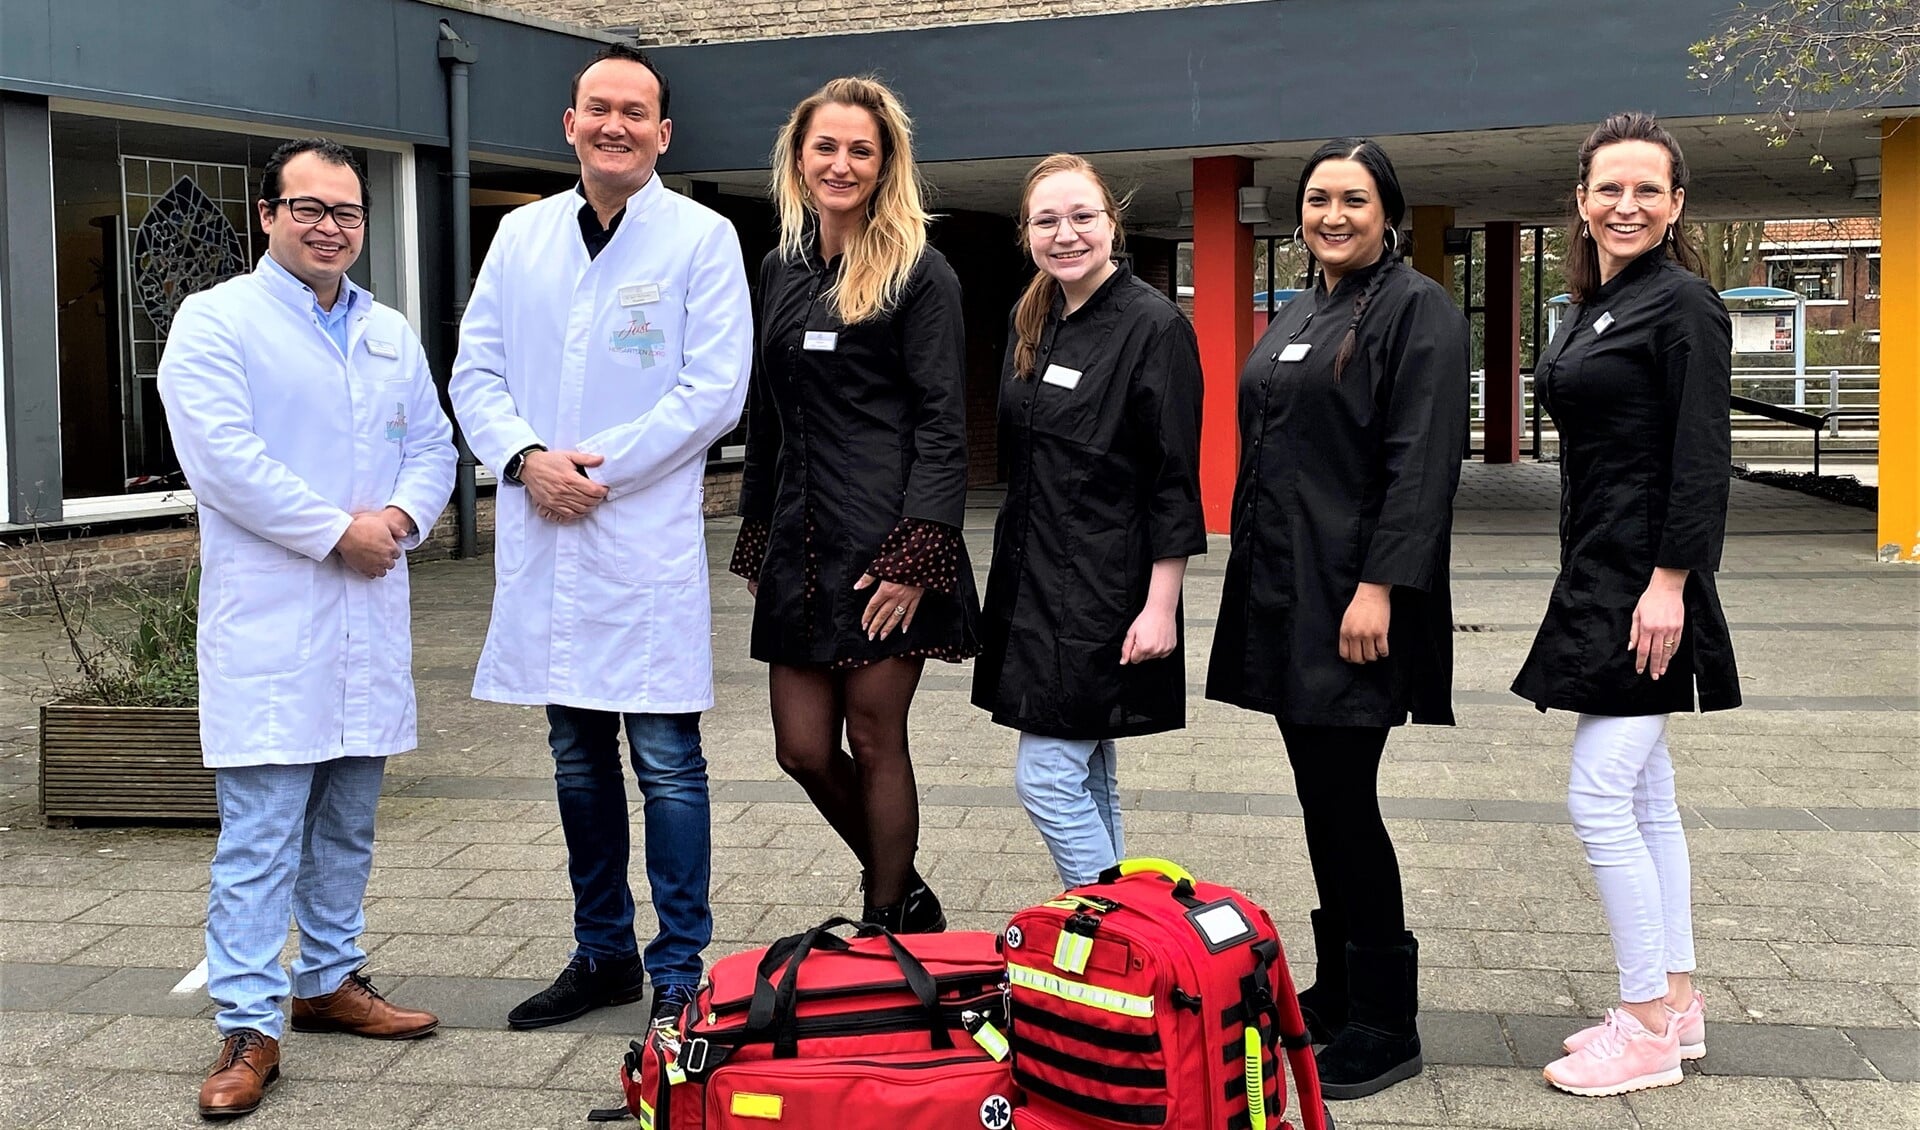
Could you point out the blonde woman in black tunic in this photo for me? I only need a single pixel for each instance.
(1335, 616)
(1637, 382)
(855, 482)
(1100, 424)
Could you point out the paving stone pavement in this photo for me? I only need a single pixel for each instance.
(1802, 807)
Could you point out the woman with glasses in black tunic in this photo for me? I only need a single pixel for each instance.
(1335, 616)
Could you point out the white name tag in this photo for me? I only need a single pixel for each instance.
(1062, 376)
(639, 294)
(820, 341)
(1294, 352)
(1601, 323)
(382, 348)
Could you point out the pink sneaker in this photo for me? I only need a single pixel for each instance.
(1623, 1057)
(1692, 1024)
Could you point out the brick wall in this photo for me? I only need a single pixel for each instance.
(707, 21)
(160, 553)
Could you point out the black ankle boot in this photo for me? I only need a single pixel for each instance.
(1324, 1003)
(918, 913)
(1380, 1045)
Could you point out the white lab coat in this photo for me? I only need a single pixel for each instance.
(283, 439)
(640, 355)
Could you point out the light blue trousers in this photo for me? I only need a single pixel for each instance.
(1072, 792)
(296, 841)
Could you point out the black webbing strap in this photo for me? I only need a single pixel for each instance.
(1131, 1114)
(1146, 1078)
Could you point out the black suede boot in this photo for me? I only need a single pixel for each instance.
(1380, 1045)
(1324, 1003)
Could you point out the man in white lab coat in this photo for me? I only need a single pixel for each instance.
(605, 349)
(312, 436)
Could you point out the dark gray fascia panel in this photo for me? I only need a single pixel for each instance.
(30, 312)
(367, 67)
(1222, 74)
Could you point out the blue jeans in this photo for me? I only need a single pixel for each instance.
(1072, 792)
(678, 827)
(295, 841)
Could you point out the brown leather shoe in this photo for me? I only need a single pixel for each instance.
(356, 1007)
(249, 1063)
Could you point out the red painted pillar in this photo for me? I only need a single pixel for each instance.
(1222, 320)
(1502, 403)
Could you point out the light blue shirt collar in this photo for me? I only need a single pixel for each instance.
(284, 286)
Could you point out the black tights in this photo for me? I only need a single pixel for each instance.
(869, 796)
(1336, 773)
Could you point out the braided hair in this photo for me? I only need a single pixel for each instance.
(1368, 154)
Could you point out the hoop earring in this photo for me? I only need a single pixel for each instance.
(1584, 233)
(1393, 240)
(1299, 234)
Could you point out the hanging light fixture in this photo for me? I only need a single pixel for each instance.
(1186, 209)
(1253, 206)
(1866, 178)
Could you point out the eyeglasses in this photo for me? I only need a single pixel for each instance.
(307, 210)
(1643, 195)
(1047, 223)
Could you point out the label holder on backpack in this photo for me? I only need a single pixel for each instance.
(1220, 925)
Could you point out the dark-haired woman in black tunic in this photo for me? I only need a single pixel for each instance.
(856, 478)
(1637, 381)
(1335, 616)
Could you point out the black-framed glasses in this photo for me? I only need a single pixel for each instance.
(1046, 223)
(307, 210)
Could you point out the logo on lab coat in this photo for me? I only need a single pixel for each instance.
(397, 424)
(640, 338)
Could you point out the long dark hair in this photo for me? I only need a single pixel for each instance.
(1371, 157)
(1583, 256)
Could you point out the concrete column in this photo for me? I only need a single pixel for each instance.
(1222, 320)
(29, 341)
(1501, 406)
(1430, 258)
(1900, 339)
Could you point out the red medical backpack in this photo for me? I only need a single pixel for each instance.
(1153, 999)
(817, 1032)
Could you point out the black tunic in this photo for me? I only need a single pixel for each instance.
(1103, 480)
(853, 428)
(1343, 482)
(1645, 458)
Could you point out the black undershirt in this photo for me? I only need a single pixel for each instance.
(591, 233)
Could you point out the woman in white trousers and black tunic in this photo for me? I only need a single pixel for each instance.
(1637, 383)
(1335, 616)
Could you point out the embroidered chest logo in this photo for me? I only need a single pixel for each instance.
(641, 339)
(397, 423)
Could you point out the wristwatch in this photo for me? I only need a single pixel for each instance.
(517, 461)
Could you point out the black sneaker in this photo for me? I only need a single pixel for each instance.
(585, 984)
(669, 1002)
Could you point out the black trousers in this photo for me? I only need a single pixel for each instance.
(1336, 774)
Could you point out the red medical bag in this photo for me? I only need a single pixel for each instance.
(1152, 999)
(818, 1032)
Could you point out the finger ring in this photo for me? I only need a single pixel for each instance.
(1671, 644)
(899, 611)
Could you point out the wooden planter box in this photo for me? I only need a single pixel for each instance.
(123, 762)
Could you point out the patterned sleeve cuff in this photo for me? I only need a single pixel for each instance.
(749, 550)
(921, 552)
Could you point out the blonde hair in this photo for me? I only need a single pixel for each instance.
(1036, 302)
(880, 259)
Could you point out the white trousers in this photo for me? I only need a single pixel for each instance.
(1620, 795)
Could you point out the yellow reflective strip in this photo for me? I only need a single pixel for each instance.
(748, 1105)
(991, 1041)
(646, 1116)
(1070, 953)
(1106, 1000)
(1256, 1082)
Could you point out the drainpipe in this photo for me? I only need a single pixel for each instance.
(458, 57)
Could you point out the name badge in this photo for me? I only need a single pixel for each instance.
(1294, 352)
(639, 294)
(382, 348)
(820, 341)
(1601, 323)
(1062, 376)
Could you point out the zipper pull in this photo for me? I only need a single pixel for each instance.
(985, 1034)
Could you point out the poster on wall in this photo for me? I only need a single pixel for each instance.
(1762, 331)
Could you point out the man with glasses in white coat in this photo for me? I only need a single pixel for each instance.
(311, 433)
(605, 349)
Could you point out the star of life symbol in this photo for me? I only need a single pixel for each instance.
(397, 423)
(996, 1113)
(1014, 937)
(640, 338)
